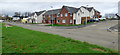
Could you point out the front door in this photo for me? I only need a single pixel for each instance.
(51, 22)
(83, 20)
(74, 21)
(55, 21)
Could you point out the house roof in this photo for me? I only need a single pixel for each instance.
(50, 12)
(15, 16)
(88, 8)
(38, 13)
(71, 9)
(31, 14)
(96, 10)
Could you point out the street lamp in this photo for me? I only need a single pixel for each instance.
(86, 15)
(52, 16)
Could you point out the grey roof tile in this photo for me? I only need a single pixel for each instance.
(71, 9)
(88, 8)
(50, 12)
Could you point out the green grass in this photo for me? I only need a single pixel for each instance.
(0, 38)
(19, 40)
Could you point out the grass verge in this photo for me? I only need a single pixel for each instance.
(19, 40)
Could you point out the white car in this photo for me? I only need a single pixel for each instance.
(96, 19)
(102, 18)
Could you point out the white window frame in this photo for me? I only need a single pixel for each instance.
(63, 21)
(70, 14)
(61, 15)
(49, 16)
(71, 20)
(66, 14)
(58, 15)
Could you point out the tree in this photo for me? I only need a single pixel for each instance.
(17, 14)
(0, 17)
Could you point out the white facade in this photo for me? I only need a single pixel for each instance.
(38, 18)
(92, 13)
(82, 12)
(16, 18)
(77, 17)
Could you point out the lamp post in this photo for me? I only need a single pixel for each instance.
(52, 16)
(86, 15)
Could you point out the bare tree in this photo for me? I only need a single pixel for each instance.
(17, 13)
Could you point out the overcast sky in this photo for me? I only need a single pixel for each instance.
(11, 6)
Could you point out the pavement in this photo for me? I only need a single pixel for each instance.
(94, 34)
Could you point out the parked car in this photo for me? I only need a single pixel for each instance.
(1, 20)
(96, 20)
(102, 18)
(93, 20)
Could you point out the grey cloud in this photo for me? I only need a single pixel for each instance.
(11, 7)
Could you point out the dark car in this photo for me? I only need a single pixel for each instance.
(93, 20)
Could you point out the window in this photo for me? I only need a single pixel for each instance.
(78, 14)
(49, 16)
(44, 16)
(58, 15)
(83, 12)
(66, 14)
(63, 21)
(61, 15)
(71, 21)
(70, 14)
(57, 21)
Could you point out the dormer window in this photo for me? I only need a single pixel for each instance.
(78, 14)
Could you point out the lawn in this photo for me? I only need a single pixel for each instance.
(0, 38)
(19, 40)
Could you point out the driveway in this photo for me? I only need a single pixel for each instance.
(94, 34)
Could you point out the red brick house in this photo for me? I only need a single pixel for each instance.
(50, 16)
(66, 15)
(69, 15)
(62, 16)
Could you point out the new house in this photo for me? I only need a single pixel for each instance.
(69, 15)
(51, 16)
(36, 17)
(15, 18)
